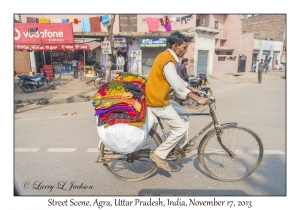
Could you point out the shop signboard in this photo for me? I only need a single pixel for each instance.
(106, 47)
(52, 47)
(42, 33)
(153, 42)
(120, 42)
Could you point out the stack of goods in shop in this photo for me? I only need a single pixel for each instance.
(48, 70)
(123, 120)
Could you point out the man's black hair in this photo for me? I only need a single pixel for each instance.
(184, 60)
(176, 38)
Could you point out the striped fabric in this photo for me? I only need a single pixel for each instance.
(124, 117)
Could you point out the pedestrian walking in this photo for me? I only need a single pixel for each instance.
(267, 64)
(261, 67)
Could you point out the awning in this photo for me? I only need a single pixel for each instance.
(52, 47)
(94, 44)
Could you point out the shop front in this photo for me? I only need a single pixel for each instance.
(52, 44)
(151, 47)
(58, 56)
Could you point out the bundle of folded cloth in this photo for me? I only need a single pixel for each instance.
(121, 100)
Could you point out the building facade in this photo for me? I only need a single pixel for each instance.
(219, 44)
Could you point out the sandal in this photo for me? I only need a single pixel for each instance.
(160, 163)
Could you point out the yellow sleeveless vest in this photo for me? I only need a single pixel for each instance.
(157, 87)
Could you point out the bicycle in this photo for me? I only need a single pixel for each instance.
(99, 76)
(227, 152)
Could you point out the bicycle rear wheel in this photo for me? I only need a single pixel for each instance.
(128, 168)
(243, 142)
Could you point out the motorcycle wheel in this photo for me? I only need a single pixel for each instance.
(53, 86)
(26, 89)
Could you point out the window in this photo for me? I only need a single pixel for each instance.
(229, 53)
(128, 23)
(216, 24)
(217, 52)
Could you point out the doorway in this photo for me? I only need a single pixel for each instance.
(242, 63)
(202, 62)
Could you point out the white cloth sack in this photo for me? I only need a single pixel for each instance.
(124, 138)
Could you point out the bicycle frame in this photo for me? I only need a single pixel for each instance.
(217, 128)
(214, 122)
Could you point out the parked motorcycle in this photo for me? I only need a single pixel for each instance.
(200, 82)
(28, 83)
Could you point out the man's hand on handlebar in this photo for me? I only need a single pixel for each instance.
(203, 101)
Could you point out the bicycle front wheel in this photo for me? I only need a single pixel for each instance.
(134, 168)
(245, 145)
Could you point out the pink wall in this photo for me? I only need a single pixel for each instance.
(206, 18)
(221, 21)
(233, 26)
(246, 48)
(142, 26)
(225, 67)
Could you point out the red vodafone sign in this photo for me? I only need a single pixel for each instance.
(52, 47)
(43, 33)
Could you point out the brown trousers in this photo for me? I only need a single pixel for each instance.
(259, 76)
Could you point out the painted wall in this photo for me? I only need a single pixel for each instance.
(227, 66)
(204, 19)
(204, 42)
(142, 26)
(221, 21)
(246, 48)
(233, 26)
(271, 46)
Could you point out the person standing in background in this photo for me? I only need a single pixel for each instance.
(75, 68)
(120, 62)
(181, 70)
(260, 70)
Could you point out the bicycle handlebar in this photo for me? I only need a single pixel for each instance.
(211, 98)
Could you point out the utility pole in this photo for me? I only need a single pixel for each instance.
(110, 29)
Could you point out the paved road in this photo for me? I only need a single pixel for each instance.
(51, 149)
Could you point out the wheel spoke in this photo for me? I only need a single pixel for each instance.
(134, 167)
(240, 141)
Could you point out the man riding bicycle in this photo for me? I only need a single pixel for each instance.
(162, 76)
